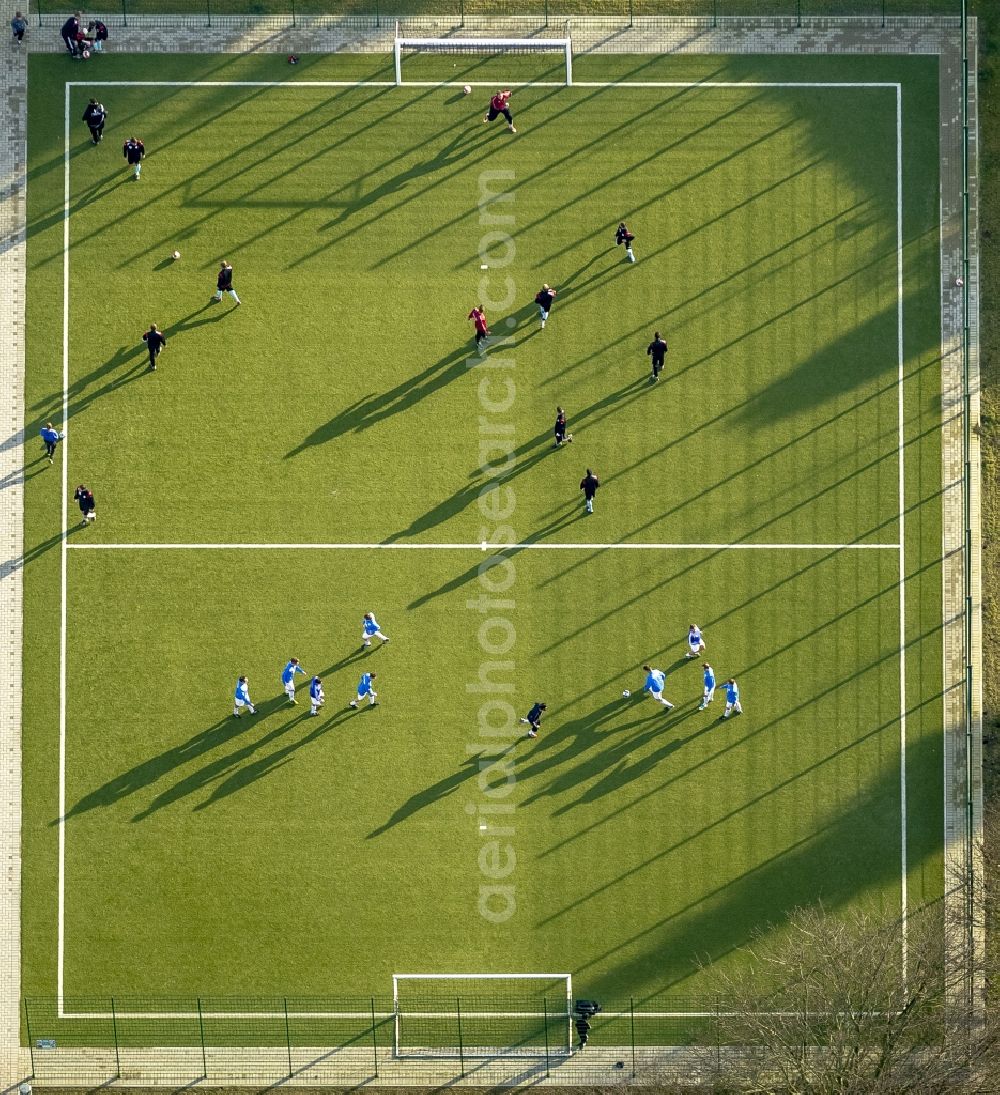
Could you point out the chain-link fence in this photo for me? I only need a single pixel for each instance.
(341, 1041)
(624, 12)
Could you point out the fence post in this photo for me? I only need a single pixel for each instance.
(114, 1031)
(883, 14)
(124, 13)
(461, 1047)
(378, 17)
(201, 1031)
(546, 12)
(288, 1037)
(631, 14)
(208, 8)
(545, 1019)
(374, 1040)
(631, 1014)
(39, 10)
(715, 13)
(27, 1030)
(293, 13)
(461, 12)
(718, 1040)
(798, 13)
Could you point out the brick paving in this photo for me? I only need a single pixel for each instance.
(160, 34)
(13, 128)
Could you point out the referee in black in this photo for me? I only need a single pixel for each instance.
(95, 116)
(155, 341)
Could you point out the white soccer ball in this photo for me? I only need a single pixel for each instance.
(177, 255)
(626, 693)
(467, 90)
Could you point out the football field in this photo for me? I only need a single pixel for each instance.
(335, 445)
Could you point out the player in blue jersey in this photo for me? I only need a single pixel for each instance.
(696, 642)
(655, 680)
(366, 687)
(50, 438)
(242, 697)
(370, 630)
(316, 696)
(708, 694)
(732, 699)
(288, 678)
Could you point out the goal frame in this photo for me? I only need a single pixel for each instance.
(535, 45)
(559, 1019)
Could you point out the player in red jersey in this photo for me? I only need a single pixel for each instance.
(478, 317)
(500, 104)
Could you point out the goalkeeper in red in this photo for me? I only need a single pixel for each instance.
(500, 104)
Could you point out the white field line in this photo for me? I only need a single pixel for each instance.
(625, 84)
(61, 943)
(249, 1015)
(496, 548)
(902, 538)
(567, 977)
(618, 85)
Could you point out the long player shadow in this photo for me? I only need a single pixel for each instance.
(149, 771)
(264, 766)
(429, 795)
(215, 769)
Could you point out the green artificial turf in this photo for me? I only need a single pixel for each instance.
(341, 404)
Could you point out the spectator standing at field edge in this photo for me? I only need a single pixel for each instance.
(155, 341)
(69, 31)
(95, 116)
(97, 32)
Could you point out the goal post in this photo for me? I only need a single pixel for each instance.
(482, 1014)
(472, 46)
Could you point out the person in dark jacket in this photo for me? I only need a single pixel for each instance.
(623, 235)
(97, 32)
(155, 341)
(69, 31)
(589, 484)
(133, 150)
(18, 26)
(534, 718)
(224, 283)
(656, 351)
(95, 115)
(583, 1031)
(544, 298)
(88, 507)
(559, 429)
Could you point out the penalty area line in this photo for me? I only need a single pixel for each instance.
(484, 546)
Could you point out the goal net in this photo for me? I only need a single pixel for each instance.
(482, 1014)
(482, 46)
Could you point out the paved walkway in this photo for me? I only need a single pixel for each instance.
(13, 128)
(238, 35)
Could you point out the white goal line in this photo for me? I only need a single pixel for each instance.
(483, 546)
